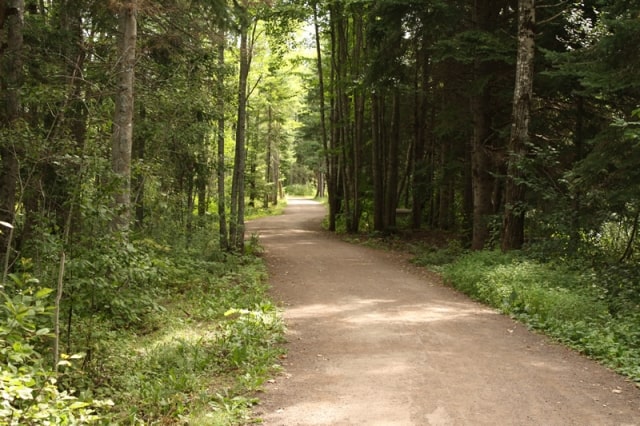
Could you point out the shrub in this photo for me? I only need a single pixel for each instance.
(29, 388)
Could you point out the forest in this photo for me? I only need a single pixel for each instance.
(138, 136)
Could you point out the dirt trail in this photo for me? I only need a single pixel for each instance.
(376, 341)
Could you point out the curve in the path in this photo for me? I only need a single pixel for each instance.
(375, 341)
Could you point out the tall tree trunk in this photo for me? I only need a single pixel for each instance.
(391, 184)
(358, 101)
(12, 24)
(513, 225)
(329, 155)
(138, 179)
(223, 236)
(419, 176)
(377, 164)
(481, 167)
(337, 146)
(269, 166)
(236, 226)
(320, 179)
(121, 139)
(341, 113)
(447, 188)
(483, 15)
(467, 196)
(277, 187)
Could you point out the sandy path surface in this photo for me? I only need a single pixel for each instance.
(373, 340)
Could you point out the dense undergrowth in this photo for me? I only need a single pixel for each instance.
(594, 309)
(146, 334)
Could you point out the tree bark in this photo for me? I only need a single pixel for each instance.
(482, 181)
(12, 21)
(420, 178)
(356, 134)
(223, 235)
(391, 184)
(341, 115)
(236, 226)
(483, 16)
(121, 140)
(271, 194)
(139, 179)
(513, 225)
(329, 156)
(377, 163)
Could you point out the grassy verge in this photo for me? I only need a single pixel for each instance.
(188, 341)
(573, 305)
(202, 356)
(259, 211)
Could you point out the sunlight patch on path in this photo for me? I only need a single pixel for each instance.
(375, 311)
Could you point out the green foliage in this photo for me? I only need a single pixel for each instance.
(621, 283)
(520, 286)
(115, 279)
(470, 45)
(215, 341)
(571, 305)
(31, 396)
(250, 335)
(301, 190)
(609, 175)
(25, 315)
(30, 389)
(435, 257)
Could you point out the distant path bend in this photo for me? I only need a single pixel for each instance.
(373, 340)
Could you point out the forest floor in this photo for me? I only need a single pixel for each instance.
(374, 340)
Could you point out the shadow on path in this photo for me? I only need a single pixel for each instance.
(372, 341)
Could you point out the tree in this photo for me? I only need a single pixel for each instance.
(513, 227)
(485, 145)
(388, 77)
(123, 115)
(223, 235)
(329, 167)
(236, 225)
(328, 144)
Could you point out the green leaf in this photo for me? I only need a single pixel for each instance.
(78, 404)
(43, 292)
(24, 392)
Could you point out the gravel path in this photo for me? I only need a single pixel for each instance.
(373, 340)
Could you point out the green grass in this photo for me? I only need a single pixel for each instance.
(202, 358)
(567, 304)
(259, 211)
